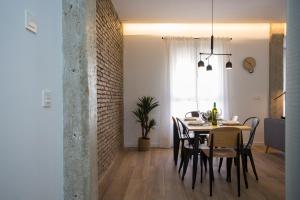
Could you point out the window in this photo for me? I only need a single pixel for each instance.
(194, 88)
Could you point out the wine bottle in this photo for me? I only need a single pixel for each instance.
(214, 114)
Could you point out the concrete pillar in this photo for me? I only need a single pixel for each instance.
(80, 100)
(276, 75)
(293, 101)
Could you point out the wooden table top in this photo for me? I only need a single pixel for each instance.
(207, 128)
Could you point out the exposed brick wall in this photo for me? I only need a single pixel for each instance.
(109, 84)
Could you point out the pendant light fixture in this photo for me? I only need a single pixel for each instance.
(208, 67)
(229, 64)
(201, 62)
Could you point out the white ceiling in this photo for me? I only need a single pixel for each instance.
(200, 10)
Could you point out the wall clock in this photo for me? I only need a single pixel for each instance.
(249, 64)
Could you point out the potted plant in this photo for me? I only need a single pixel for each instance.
(144, 106)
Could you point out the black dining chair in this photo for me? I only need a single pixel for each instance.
(246, 152)
(203, 137)
(178, 141)
(190, 149)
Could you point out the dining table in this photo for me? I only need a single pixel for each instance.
(208, 127)
(204, 129)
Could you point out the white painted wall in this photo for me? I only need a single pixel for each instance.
(249, 93)
(31, 144)
(145, 72)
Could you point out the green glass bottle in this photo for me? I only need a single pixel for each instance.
(214, 114)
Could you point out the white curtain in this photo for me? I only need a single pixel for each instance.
(182, 70)
(213, 85)
(193, 88)
(188, 87)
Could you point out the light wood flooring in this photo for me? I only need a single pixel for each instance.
(153, 175)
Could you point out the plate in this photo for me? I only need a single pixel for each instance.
(231, 123)
(196, 123)
(191, 119)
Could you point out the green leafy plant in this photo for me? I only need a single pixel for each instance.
(144, 106)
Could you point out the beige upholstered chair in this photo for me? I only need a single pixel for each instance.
(223, 142)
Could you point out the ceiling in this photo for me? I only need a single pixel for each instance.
(234, 11)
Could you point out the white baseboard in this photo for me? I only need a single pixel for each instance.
(135, 145)
(157, 145)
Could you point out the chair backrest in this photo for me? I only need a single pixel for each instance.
(183, 130)
(193, 114)
(175, 129)
(253, 122)
(225, 137)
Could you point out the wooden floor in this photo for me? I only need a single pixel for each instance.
(152, 175)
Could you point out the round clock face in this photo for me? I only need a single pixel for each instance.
(249, 64)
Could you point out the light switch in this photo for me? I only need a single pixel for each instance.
(46, 98)
(30, 22)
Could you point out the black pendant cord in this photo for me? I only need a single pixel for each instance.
(212, 37)
(212, 17)
(212, 28)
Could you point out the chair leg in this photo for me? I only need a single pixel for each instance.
(181, 160)
(176, 151)
(210, 175)
(238, 174)
(220, 164)
(244, 171)
(227, 170)
(213, 176)
(267, 149)
(229, 165)
(246, 162)
(201, 166)
(205, 163)
(253, 165)
(195, 164)
(185, 165)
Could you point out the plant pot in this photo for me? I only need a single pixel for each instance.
(144, 144)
